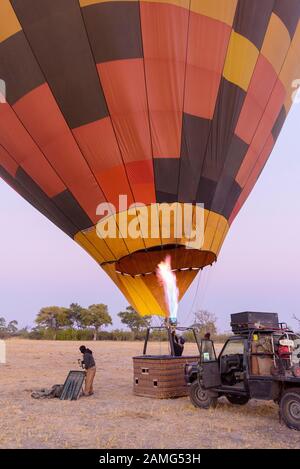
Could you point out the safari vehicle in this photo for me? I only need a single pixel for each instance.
(261, 361)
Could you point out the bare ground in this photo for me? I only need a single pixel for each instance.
(114, 417)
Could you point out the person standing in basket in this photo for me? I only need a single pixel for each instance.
(89, 365)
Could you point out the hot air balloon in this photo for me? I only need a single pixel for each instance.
(163, 101)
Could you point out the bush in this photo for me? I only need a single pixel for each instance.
(117, 335)
(189, 336)
(158, 336)
(36, 334)
(22, 333)
(221, 338)
(67, 334)
(84, 334)
(217, 338)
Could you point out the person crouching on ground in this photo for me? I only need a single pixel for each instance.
(89, 365)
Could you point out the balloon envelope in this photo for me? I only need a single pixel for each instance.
(175, 101)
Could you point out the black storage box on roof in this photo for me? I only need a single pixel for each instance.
(242, 322)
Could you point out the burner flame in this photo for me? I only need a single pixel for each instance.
(168, 280)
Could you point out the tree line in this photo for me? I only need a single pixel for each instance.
(78, 323)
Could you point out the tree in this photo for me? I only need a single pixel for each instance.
(54, 317)
(24, 332)
(96, 316)
(8, 329)
(205, 322)
(76, 314)
(2, 325)
(2, 328)
(294, 317)
(133, 320)
(12, 327)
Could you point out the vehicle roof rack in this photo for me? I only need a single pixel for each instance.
(283, 327)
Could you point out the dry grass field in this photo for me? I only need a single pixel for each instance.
(113, 417)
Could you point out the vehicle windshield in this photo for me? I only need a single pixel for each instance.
(207, 351)
(234, 347)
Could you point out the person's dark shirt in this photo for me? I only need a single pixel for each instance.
(178, 349)
(88, 360)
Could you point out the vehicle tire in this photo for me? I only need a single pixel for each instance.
(237, 400)
(290, 408)
(201, 397)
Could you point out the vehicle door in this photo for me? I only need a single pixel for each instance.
(209, 365)
(232, 362)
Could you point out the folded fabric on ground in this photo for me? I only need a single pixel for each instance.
(43, 393)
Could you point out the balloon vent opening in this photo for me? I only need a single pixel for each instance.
(144, 263)
(143, 274)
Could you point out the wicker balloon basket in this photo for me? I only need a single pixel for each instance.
(161, 376)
